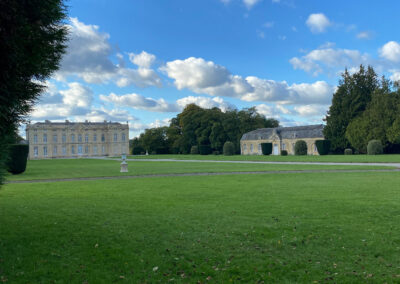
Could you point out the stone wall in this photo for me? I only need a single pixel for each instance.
(253, 147)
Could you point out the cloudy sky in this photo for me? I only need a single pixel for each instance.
(142, 61)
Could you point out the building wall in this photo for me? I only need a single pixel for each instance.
(67, 140)
(285, 144)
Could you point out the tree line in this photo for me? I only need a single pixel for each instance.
(196, 126)
(364, 108)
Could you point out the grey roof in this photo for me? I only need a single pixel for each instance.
(295, 132)
(67, 122)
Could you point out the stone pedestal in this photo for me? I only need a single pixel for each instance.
(124, 167)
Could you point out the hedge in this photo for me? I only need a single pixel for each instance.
(229, 148)
(194, 150)
(266, 148)
(300, 148)
(205, 149)
(17, 157)
(348, 151)
(374, 147)
(284, 153)
(323, 146)
(138, 150)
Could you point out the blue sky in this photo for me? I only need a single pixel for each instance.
(142, 61)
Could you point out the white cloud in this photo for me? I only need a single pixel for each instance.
(390, 51)
(140, 102)
(142, 59)
(318, 23)
(269, 24)
(311, 110)
(250, 3)
(395, 75)
(77, 95)
(204, 77)
(88, 57)
(205, 102)
(322, 59)
(364, 35)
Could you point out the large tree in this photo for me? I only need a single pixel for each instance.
(349, 101)
(32, 37)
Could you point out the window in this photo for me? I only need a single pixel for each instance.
(293, 147)
(73, 149)
(251, 148)
(94, 138)
(86, 138)
(103, 150)
(115, 137)
(283, 146)
(123, 137)
(54, 150)
(79, 137)
(244, 147)
(44, 138)
(86, 149)
(35, 138)
(35, 151)
(55, 138)
(259, 148)
(103, 138)
(94, 149)
(64, 138)
(45, 151)
(79, 149)
(315, 148)
(64, 150)
(72, 138)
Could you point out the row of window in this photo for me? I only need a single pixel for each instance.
(64, 138)
(64, 151)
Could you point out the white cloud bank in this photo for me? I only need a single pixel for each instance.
(206, 77)
(390, 51)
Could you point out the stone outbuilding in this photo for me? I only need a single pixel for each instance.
(282, 138)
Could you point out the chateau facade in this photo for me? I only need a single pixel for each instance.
(282, 138)
(77, 139)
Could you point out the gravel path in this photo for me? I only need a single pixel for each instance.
(397, 165)
(202, 174)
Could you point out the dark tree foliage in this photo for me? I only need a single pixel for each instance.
(229, 148)
(349, 101)
(323, 146)
(17, 158)
(300, 148)
(32, 41)
(266, 148)
(284, 153)
(196, 126)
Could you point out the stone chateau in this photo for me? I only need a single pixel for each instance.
(282, 138)
(77, 139)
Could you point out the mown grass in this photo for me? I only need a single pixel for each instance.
(287, 228)
(76, 168)
(392, 158)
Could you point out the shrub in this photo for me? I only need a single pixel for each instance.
(205, 149)
(216, 153)
(194, 150)
(284, 153)
(229, 148)
(153, 153)
(300, 148)
(348, 151)
(162, 150)
(266, 148)
(138, 150)
(374, 147)
(17, 157)
(323, 146)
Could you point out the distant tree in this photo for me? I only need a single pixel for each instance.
(155, 140)
(32, 37)
(349, 101)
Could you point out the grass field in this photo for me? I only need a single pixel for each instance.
(76, 168)
(287, 228)
(395, 158)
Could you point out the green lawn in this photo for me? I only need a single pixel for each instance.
(74, 168)
(286, 228)
(395, 158)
